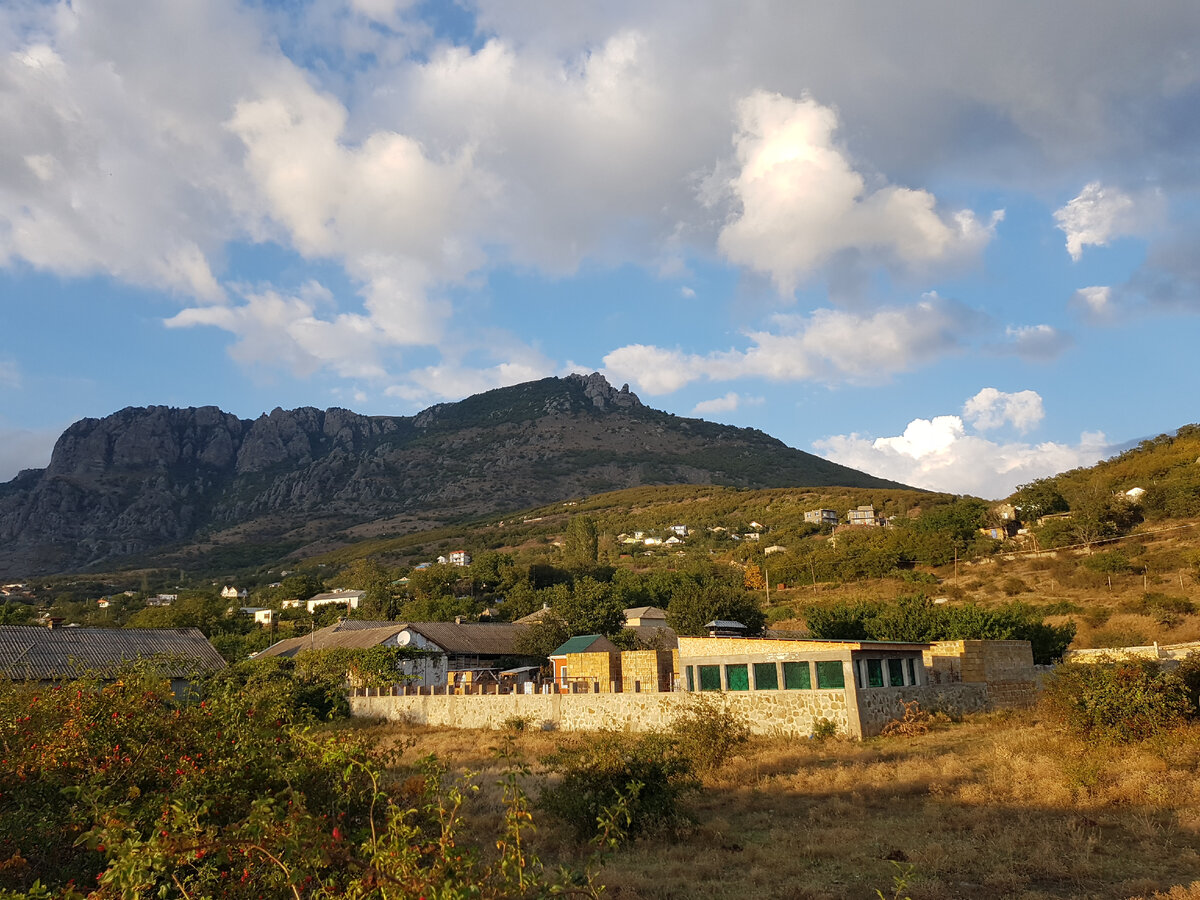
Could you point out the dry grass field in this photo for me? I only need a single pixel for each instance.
(995, 806)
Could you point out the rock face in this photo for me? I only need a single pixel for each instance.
(144, 480)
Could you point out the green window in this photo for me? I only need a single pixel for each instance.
(830, 674)
(710, 678)
(874, 673)
(766, 677)
(896, 672)
(912, 670)
(738, 677)
(691, 677)
(797, 676)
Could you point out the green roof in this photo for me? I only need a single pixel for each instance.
(579, 644)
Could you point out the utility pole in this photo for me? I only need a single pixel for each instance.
(956, 566)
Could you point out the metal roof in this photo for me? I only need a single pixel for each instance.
(37, 653)
(467, 639)
(584, 643)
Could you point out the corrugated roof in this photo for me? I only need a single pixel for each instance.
(33, 652)
(473, 638)
(336, 637)
(467, 639)
(584, 643)
(645, 612)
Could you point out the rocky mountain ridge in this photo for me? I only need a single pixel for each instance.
(146, 479)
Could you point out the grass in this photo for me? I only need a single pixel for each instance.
(996, 806)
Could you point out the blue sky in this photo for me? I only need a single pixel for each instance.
(951, 244)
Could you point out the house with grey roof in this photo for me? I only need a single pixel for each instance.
(39, 653)
(439, 647)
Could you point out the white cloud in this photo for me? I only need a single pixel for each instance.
(800, 201)
(727, 403)
(687, 293)
(1101, 213)
(828, 345)
(454, 381)
(991, 408)
(1040, 342)
(1096, 302)
(275, 329)
(939, 455)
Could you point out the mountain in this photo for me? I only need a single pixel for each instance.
(145, 480)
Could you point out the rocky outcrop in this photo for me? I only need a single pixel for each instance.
(146, 479)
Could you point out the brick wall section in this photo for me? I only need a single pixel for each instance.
(1006, 667)
(647, 671)
(792, 713)
(603, 669)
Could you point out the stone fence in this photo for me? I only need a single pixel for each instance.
(857, 714)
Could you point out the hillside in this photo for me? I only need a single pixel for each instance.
(147, 481)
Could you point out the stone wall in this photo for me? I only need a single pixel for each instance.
(1154, 651)
(878, 706)
(792, 712)
(598, 672)
(1006, 667)
(647, 671)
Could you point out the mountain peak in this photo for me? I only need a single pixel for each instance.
(602, 394)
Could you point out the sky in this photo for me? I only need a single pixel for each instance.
(951, 244)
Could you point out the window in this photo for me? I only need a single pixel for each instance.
(691, 677)
(738, 677)
(912, 670)
(874, 673)
(797, 676)
(896, 672)
(830, 674)
(766, 677)
(710, 678)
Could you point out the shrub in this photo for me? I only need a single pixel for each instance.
(1189, 673)
(1115, 637)
(915, 721)
(1159, 606)
(644, 776)
(1108, 562)
(710, 733)
(1115, 702)
(824, 729)
(1011, 586)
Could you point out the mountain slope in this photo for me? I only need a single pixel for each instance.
(144, 479)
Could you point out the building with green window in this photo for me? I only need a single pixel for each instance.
(845, 681)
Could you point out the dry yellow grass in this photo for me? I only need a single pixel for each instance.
(998, 806)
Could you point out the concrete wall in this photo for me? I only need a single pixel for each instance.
(790, 712)
(1154, 651)
(647, 671)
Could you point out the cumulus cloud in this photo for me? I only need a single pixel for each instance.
(1102, 213)
(277, 329)
(939, 454)
(827, 345)
(800, 200)
(727, 403)
(1038, 342)
(1095, 303)
(454, 381)
(991, 408)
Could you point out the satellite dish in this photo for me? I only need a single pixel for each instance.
(403, 638)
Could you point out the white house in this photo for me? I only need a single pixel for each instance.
(460, 558)
(262, 615)
(350, 598)
(679, 530)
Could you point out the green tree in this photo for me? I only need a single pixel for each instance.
(589, 607)
(695, 604)
(1038, 498)
(581, 546)
(543, 637)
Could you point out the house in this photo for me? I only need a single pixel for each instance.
(864, 515)
(292, 603)
(261, 614)
(640, 616)
(757, 526)
(649, 625)
(652, 542)
(350, 598)
(678, 530)
(751, 536)
(821, 517)
(460, 558)
(439, 648)
(673, 541)
(162, 600)
(774, 548)
(587, 663)
(231, 593)
(38, 653)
